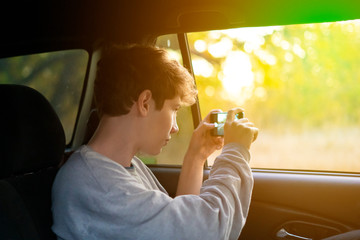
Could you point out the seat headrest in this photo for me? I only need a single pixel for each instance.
(32, 137)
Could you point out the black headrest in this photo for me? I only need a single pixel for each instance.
(31, 135)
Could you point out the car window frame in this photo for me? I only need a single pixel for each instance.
(266, 170)
(187, 62)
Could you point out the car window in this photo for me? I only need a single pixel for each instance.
(300, 84)
(173, 153)
(59, 76)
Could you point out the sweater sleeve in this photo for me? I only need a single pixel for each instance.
(230, 187)
(127, 210)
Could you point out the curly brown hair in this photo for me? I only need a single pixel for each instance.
(124, 72)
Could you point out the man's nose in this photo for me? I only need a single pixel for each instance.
(175, 127)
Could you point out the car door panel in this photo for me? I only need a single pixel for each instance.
(168, 177)
(310, 205)
(304, 204)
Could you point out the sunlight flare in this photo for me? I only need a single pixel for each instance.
(238, 74)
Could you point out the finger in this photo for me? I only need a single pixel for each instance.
(231, 114)
(255, 133)
(207, 118)
(249, 124)
(243, 120)
(218, 142)
(208, 125)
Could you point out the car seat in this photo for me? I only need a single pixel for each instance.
(32, 145)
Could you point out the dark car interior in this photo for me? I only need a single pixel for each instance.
(28, 170)
(308, 205)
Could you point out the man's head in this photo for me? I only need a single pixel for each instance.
(124, 73)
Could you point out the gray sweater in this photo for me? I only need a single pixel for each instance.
(97, 198)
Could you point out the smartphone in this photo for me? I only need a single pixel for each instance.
(219, 120)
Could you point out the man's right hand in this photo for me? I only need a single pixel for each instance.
(240, 131)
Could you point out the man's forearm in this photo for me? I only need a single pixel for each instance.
(191, 176)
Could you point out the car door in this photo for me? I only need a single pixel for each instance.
(306, 167)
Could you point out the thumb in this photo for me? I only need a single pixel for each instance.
(208, 125)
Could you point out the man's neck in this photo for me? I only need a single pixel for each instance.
(115, 139)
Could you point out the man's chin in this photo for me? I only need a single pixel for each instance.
(157, 152)
(152, 152)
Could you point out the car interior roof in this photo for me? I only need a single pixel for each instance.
(59, 24)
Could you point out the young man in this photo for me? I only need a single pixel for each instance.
(104, 192)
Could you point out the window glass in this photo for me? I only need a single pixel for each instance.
(300, 84)
(59, 76)
(173, 153)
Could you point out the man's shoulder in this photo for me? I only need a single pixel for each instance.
(74, 167)
(85, 167)
(88, 158)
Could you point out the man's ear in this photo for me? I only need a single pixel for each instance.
(144, 102)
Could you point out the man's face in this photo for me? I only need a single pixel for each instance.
(161, 124)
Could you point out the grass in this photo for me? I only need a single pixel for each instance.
(328, 150)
